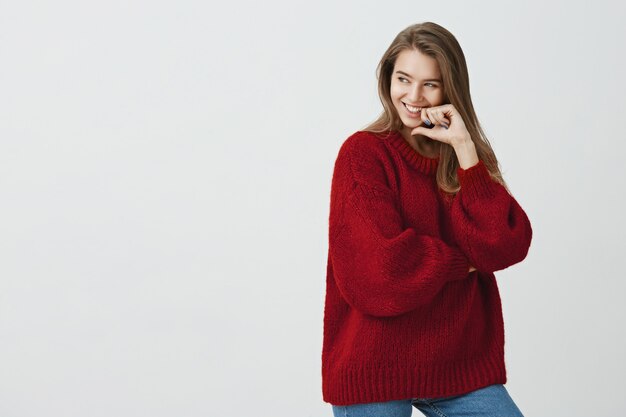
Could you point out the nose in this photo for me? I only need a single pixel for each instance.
(415, 94)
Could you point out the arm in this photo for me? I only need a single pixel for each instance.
(490, 226)
(381, 267)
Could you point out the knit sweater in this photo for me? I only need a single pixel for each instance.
(403, 317)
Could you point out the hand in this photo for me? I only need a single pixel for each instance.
(471, 269)
(446, 115)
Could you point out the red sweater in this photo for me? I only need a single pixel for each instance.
(403, 318)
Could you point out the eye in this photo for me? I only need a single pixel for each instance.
(402, 79)
(431, 84)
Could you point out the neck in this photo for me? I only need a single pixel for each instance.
(422, 144)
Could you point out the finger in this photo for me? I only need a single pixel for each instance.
(436, 115)
(432, 115)
(449, 110)
(425, 118)
(441, 116)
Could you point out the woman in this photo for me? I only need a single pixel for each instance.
(420, 219)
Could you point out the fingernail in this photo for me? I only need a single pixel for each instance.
(427, 122)
(444, 125)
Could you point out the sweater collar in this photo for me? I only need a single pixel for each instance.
(420, 162)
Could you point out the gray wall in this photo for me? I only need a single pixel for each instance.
(164, 180)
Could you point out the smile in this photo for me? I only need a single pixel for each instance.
(411, 109)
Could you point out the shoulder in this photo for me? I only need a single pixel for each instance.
(365, 155)
(365, 147)
(364, 141)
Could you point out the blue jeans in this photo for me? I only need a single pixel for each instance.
(493, 400)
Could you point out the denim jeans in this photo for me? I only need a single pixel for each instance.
(493, 400)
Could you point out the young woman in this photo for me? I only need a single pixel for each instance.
(420, 219)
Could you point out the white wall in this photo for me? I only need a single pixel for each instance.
(164, 180)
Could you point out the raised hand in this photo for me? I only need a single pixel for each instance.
(447, 125)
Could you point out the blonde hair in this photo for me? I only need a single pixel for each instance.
(437, 42)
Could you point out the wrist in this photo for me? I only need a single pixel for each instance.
(466, 153)
(465, 141)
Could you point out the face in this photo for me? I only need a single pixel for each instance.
(415, 81)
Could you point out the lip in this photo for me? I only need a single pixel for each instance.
(412, 105)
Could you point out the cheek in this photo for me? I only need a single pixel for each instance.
(395, 91)
(436, 96)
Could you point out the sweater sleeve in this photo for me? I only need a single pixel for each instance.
(382, 268)
(490, 226)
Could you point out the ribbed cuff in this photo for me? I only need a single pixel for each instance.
(476, 182)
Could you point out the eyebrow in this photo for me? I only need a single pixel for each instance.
(404, 73)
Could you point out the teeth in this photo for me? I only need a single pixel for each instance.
(412, 109)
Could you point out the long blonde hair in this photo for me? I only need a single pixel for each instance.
(437, 42)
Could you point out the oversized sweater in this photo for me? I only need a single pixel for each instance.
(403, 317)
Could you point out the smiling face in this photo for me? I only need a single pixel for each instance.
(416, 83)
